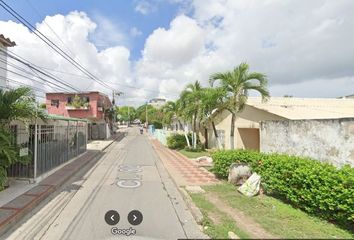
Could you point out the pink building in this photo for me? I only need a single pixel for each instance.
(88, 105)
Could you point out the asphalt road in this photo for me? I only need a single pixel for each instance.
(128, 177)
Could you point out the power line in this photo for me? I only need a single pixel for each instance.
(61, 52)
(51, 29)
(51, 44)
(9, 88)
(21, 83)
(36, 67)
(67, 73)
(108, 82)
(34, 80)
(43, 80)
(31, 67)
(21, 75)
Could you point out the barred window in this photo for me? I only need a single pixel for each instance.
(54, 102)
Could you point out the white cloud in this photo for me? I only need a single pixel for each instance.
(177, 45)
(145, 7)
(295, 43)
(135, 32)
(305, 48)
(107, 33)
(169, 57)
(111, 64)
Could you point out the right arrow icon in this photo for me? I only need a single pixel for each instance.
(135, 217)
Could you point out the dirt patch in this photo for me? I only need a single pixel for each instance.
(242, 220)
(214, 217)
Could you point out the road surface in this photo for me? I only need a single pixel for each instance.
(128, 177)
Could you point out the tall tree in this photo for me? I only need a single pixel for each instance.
(127, 113)
(212, 102)
(190, 103)
(171, 110)
(237, 84)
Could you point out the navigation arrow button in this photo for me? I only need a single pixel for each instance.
(135, 217)
(112, 217)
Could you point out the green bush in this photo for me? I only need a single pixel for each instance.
(317, 188)
(176, 141)
(157, 125)
(224, 159)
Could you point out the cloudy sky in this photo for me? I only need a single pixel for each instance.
(150, 48)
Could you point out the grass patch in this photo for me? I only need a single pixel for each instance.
(189, 154)
(216, 224)
(276, 217)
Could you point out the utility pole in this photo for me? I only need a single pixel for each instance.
(114, 102)
(146, 116)
(128, 115)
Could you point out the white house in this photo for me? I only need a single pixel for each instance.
(157, 102)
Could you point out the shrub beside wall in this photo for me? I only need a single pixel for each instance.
(176, 141)
(315, 187)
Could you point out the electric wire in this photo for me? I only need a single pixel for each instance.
(50, 43)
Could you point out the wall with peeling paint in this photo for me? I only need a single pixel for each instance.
(329, 140)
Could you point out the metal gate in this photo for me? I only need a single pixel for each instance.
(50, 147)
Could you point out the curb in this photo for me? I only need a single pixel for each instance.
(196, 213)
(31, 200)
(23, 204)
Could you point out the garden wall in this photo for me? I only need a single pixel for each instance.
(327, 140)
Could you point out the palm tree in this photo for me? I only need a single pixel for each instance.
(18, 104)
(169, 110)
(212, 102)
(237, 84)
(190, 104)
(15, 104)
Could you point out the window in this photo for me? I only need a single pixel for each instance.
(70, 100)
(54, 102)
(85, 99)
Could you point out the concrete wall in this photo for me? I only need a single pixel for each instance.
(2, 67)
(324, 140)
(245, 137)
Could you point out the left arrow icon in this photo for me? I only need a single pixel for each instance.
(112, 217)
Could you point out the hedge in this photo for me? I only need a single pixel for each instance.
(317, 188)
(176, 141)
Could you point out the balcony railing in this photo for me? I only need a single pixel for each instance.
(68, 107)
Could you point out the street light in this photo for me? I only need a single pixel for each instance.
(119, 93)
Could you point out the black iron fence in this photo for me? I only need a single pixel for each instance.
(55, 145)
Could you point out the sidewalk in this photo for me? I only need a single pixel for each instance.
(17, 208)
(98, 144)
(184, 171)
